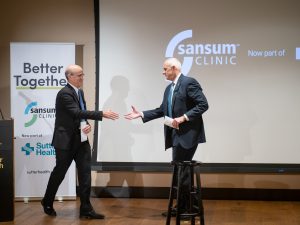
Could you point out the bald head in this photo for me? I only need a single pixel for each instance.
(74, 75)
(72, 69)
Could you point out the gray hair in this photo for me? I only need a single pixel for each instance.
(174, 62)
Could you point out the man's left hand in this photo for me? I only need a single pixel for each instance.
(177, 121)
(87, 129)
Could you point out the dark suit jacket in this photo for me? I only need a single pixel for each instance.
(68, 117)
(187, 99)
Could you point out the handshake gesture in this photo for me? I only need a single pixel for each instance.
(113, 115)
(134, 114)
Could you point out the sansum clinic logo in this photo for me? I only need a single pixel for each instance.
(201, 54)
(27, 111)
(33, 112)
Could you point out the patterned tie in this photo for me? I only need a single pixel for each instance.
(170, 99)
(81, 100)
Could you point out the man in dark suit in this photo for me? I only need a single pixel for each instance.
(70, 142)
(185, 103)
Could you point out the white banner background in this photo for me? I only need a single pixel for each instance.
(37, 74)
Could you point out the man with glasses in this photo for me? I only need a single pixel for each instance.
(70, 142)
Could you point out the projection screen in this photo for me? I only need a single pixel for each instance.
(245, 55)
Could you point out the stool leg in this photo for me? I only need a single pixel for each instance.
(178, 200)
(171, 195)
(191, 187)
(199, 194)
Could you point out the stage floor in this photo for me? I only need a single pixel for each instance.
(124, 211)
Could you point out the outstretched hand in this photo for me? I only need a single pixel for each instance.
(133, 115)
(110, 115)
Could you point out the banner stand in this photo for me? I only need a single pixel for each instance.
(37, 74)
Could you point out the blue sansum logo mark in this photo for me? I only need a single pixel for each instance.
(297, 53)
(201, 54)
(187, 61)
(27, 111)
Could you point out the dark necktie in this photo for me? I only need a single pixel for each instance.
(81, 100)
(170, 99)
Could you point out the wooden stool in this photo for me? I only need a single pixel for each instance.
(195, 207)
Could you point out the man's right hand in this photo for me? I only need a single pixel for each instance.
(133, 115)
(110, 115)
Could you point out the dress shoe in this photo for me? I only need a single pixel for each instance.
(49, 210)
(91, 215)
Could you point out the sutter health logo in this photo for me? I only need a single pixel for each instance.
(41, 149)
(36, 112)
(27, 149)
(201, 54)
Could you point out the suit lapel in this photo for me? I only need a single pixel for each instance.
(74, 93)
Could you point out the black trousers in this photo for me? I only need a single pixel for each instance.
(181, 154)
(80, 152)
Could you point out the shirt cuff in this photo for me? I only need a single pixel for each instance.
(142, 115)
(185, 116)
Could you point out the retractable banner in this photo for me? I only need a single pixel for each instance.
(37, 74)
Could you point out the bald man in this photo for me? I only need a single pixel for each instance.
(185, 103)
(70, 142)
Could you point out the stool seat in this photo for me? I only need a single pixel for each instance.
(188, 191)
